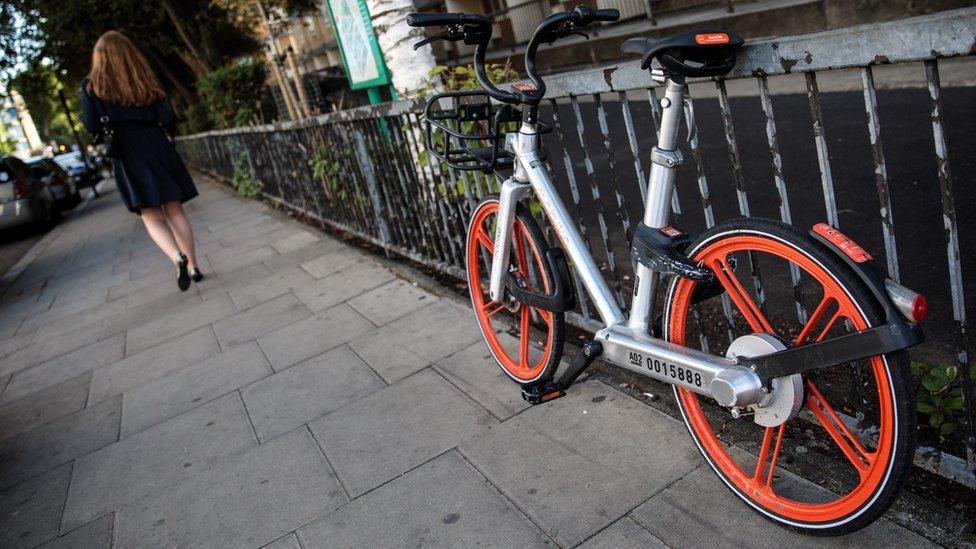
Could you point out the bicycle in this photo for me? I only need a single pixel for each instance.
(769, 376)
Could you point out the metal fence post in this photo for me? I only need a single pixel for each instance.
(374, 191)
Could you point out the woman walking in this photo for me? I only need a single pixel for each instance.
(123, 104)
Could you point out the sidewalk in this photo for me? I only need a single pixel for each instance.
(302, 393)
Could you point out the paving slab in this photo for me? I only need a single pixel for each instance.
(176, 324)
(406, 345)
(152, 364)
(145, 312)
(252, 499)
(30, 511)
(397, 428)
(327, 246)
(270, 287)
(91, 315)
(475, 372)
(192, 386)
(343, 285)
(391, 301)
(40, 351)
(698, 511)
(245, 254)
(160, 292)
(294, 242)
(313, 335)
(530, 468)
(63, 368)
(443, 503)
(622, 434)
(326, 265)
(623, 534)
(308, 390)
(97, 534)
(44, 406)
(44, 448)
(259, 320)
(289, 541)
(218, 285)
(159, 456)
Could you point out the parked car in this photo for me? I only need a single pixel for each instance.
(63, 186)
(24, 199)
(78, 165)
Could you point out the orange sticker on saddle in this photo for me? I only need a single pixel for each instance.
(712, 38)
(846, 245)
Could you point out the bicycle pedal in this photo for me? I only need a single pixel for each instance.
(539, 395)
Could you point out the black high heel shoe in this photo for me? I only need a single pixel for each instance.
(196, 275)
(182, 275)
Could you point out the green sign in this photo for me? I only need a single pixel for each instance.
(361, 54)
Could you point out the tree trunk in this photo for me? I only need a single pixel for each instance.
(180, 30)
(408, 67)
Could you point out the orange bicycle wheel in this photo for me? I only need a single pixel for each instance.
(528, 351)
(854, 440)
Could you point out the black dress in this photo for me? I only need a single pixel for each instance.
(148, 170)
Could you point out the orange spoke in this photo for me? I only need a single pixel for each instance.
(764, 455)
(814, 320)
(524, 338)
(489, 311)
(486, 242)
(757, 321)
(848, 444)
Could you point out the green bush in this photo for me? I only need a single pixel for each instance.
(244, 182)
(940, 400)
(197, 119)
(231, 95)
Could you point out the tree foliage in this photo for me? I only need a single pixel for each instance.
(232, 94)
(193, 45)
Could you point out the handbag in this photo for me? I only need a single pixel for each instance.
(104, 139)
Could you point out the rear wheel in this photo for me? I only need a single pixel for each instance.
(529, 349)
(850, 448)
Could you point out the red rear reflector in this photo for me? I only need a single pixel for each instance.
(912, 305)
(712, 38)
(846, 245)
(523, 87)
(920, 308)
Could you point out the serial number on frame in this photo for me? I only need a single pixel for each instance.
(667, 369)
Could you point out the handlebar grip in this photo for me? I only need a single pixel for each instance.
(444, 19)
(605, 15)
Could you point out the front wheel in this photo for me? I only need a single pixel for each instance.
(529, 351)
(840, 462)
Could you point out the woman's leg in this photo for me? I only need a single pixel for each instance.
(159, 231)
(181, 230)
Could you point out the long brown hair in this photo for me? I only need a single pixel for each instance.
(121, 74)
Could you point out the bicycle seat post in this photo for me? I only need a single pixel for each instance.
(665, 159)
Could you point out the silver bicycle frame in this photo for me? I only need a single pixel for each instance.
(626, 340)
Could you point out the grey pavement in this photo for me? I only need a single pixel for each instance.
(303, 395)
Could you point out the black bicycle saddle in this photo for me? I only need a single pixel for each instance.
(692, 53)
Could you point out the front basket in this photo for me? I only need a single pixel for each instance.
(466, 131)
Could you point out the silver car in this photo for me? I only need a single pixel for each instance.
(24, 199)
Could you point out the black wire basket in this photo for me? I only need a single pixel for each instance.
(466, 131)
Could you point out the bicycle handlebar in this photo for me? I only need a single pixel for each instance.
(445, 19)
(552, 28)
(476, 30)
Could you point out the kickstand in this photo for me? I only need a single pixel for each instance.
(544, 392)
